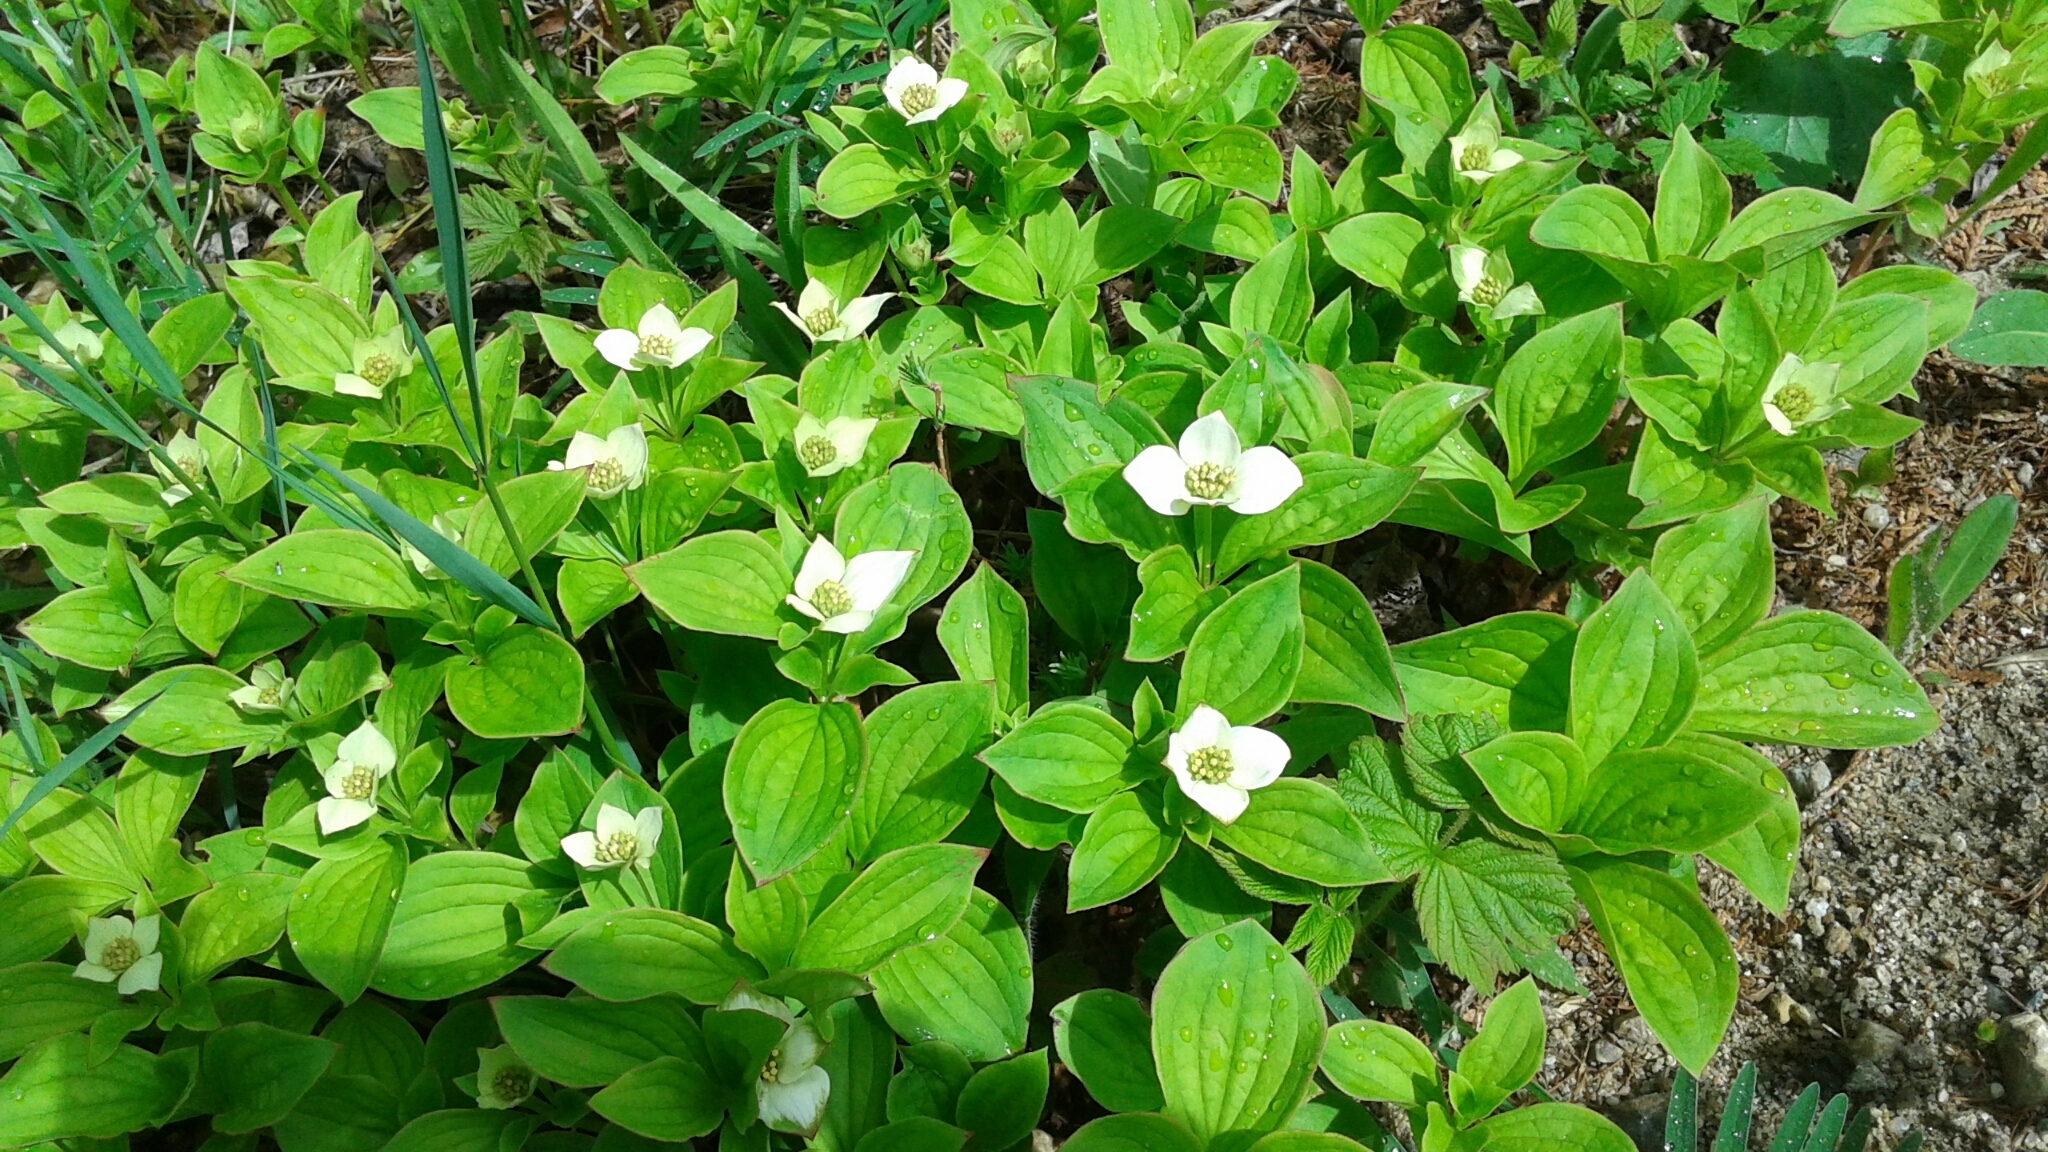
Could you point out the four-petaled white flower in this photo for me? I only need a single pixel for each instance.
(376, 362)
(83, 343)
(1219, 765)
(843, 595)
(616, 462)
(267, 691)
(1486, 280)
(122, 952)
(826, 447)
(190, 458)
(822, 317)
(914, 90)
(503, 1080)
(623, 839)
(1800, 394)
(661, 342)
(362, 762)
(1476, 152)
(792, 1089)
(1211, 468)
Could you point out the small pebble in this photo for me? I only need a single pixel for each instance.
(1607, 1052)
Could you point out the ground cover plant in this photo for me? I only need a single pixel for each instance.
(798, 585)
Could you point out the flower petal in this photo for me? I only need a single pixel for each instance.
(1257, 757)
(612, 820)
(1160, 477)
(91, 971)
(350, 384)
(1210, 440)
(802, 605)
(142, 976)
(582, 848)
(690, 343)
(847, 623)
(338, 815)
(367, 747)
(628, 445)
(618, 347)
(849, 438)
(952, 90)
(795, 1106)
(146, 931)
(585, 450)
(1521, 300)
(855, 318)
(1468, 268)
(102, 931)
(873, 577)
(660, 320)
(799, 1051)
(1779, 422)
(1502, 160)
(647, 829)
(822, 562)
(793, 318)
(1226, 802)
(1205, 727)
(1266, 477)
(743, 998)
(814, 296)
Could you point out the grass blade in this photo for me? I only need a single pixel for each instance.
(1829, 1127)
(1733, 1135)
(1681, 1119)
(454, 251)
(80, 756)
(728, 228)
(1798, 1121)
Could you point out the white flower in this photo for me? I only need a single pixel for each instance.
(623, 839)
(124, 950)
(616, 463)
(377, 362)
(914, 90)
(1210, 468)
(1476, 152)
(190, 458)
(1487, 280)
(1219, 765)
(821, 317)
(661, 342)
(502, 1079)
(83, 343)
(267, 691)
(364, 759)
(843, 594)
(793, 1089)
(831, 446)
(446, 529)
(1983, 71)
(1800, 394)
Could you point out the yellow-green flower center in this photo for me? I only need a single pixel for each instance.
(1490, 290)
(1209, 765)
(359, 784)
(657, 345)
(1474, 157)
(607, 474)
(817, 452)
(1795, 402)
(379, 368)
(772, 1067)
(618, 848)
(270, 694)
(919, 98)
(512, 1084)
(820, 321)
(832, 599)
(1210, 481)
(120, 954)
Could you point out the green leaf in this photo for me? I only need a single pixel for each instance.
(1070, 756)
(910, 508)
(1692, 199)
(1373, 1060)
(860, 178)
(1949, 298)
(1422, 75)
(1541, 1127)
(922, 775)
(1239, 158)
(1124, 846)
(1899, 163)
(673, 1099)
(1171, 603)
(985, 631)
(1483, 906)
(1132, 1132)
(1555, 393)
(335, 567)
(664, 70)
(528, 682)
(1275, 297)
(1105, 1038)
(458, 923)
(585, 1043)
(1515, 667)
(1672, 953)
(1664, 798)
(541, 505)
(1300, 828)
(1001, 1103)
(729, 582)
(241, 916)
(790, 780)
(906, 896)
(46, 1000)
(57, 1091)
(1634, 672)
(93, 627)
(1505, 1055)
(1778, 226)
(1597, 219)
(1764, 854)
(632, 953)
(590, 590)
(461, 1130)
(1067, 429)
(48, 911)
(1148, 38)
(1537, 778)
(971, 987)
(341, 914)
(1243, 659)
(1862, 17)
(1417, 419)
(1717, 572)
(1237, 1032)
(1345, 659)
(251, 1074)
(859, 1061)
(2010, 328)
(1812, 678)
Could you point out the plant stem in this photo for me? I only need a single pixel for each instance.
(291, 204)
